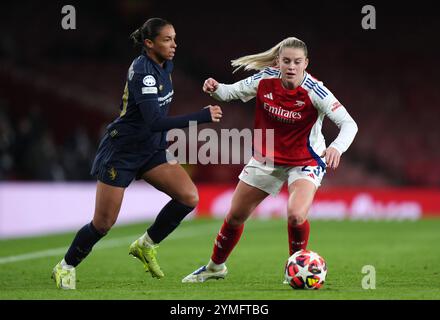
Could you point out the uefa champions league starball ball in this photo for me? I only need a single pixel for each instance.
(305, 270)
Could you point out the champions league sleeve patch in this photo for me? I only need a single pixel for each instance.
(149, 81)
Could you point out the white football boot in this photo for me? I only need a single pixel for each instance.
(203, 274)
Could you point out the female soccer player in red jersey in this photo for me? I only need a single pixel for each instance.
(134, 147)
(293, 104)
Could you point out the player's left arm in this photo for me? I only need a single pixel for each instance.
(338, 114)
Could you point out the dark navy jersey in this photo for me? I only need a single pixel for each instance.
(147, 96)
(136, 141)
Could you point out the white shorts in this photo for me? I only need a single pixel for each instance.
(271, 179)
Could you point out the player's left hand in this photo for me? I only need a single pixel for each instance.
(332, 157)
(216, 113)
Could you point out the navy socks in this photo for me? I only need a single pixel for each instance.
(82, 244)
(167, 220)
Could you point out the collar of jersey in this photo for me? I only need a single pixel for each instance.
(167, 66)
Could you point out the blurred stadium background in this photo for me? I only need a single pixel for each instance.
(60, 88)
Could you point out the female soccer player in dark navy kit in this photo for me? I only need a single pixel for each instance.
(134, 147)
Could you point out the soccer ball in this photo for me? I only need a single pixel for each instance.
(305, 270)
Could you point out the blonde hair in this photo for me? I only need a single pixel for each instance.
(261, 60)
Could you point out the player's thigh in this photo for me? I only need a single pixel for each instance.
(244, 200)
(301, 195)
(173, 180)
(108, 203)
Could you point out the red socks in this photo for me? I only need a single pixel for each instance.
(225, 242)
(298, 236)
(229, 236)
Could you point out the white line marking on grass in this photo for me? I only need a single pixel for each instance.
(188, 232)
(33, 255)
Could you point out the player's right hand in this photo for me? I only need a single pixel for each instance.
(216, 113)
(210, 85)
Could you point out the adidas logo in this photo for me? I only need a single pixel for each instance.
(269, 96)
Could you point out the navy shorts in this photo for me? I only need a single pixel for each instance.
(119, 168)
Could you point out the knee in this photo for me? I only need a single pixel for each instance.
(189, 198)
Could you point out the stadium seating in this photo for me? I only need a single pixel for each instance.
(78, 90)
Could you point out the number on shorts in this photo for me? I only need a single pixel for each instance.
(316, 170)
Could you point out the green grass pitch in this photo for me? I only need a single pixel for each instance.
(405, 255)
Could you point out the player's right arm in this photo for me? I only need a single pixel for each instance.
(244, 90)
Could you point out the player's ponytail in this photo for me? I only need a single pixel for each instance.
(267, 58)
(149, 30)
(136, 36)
